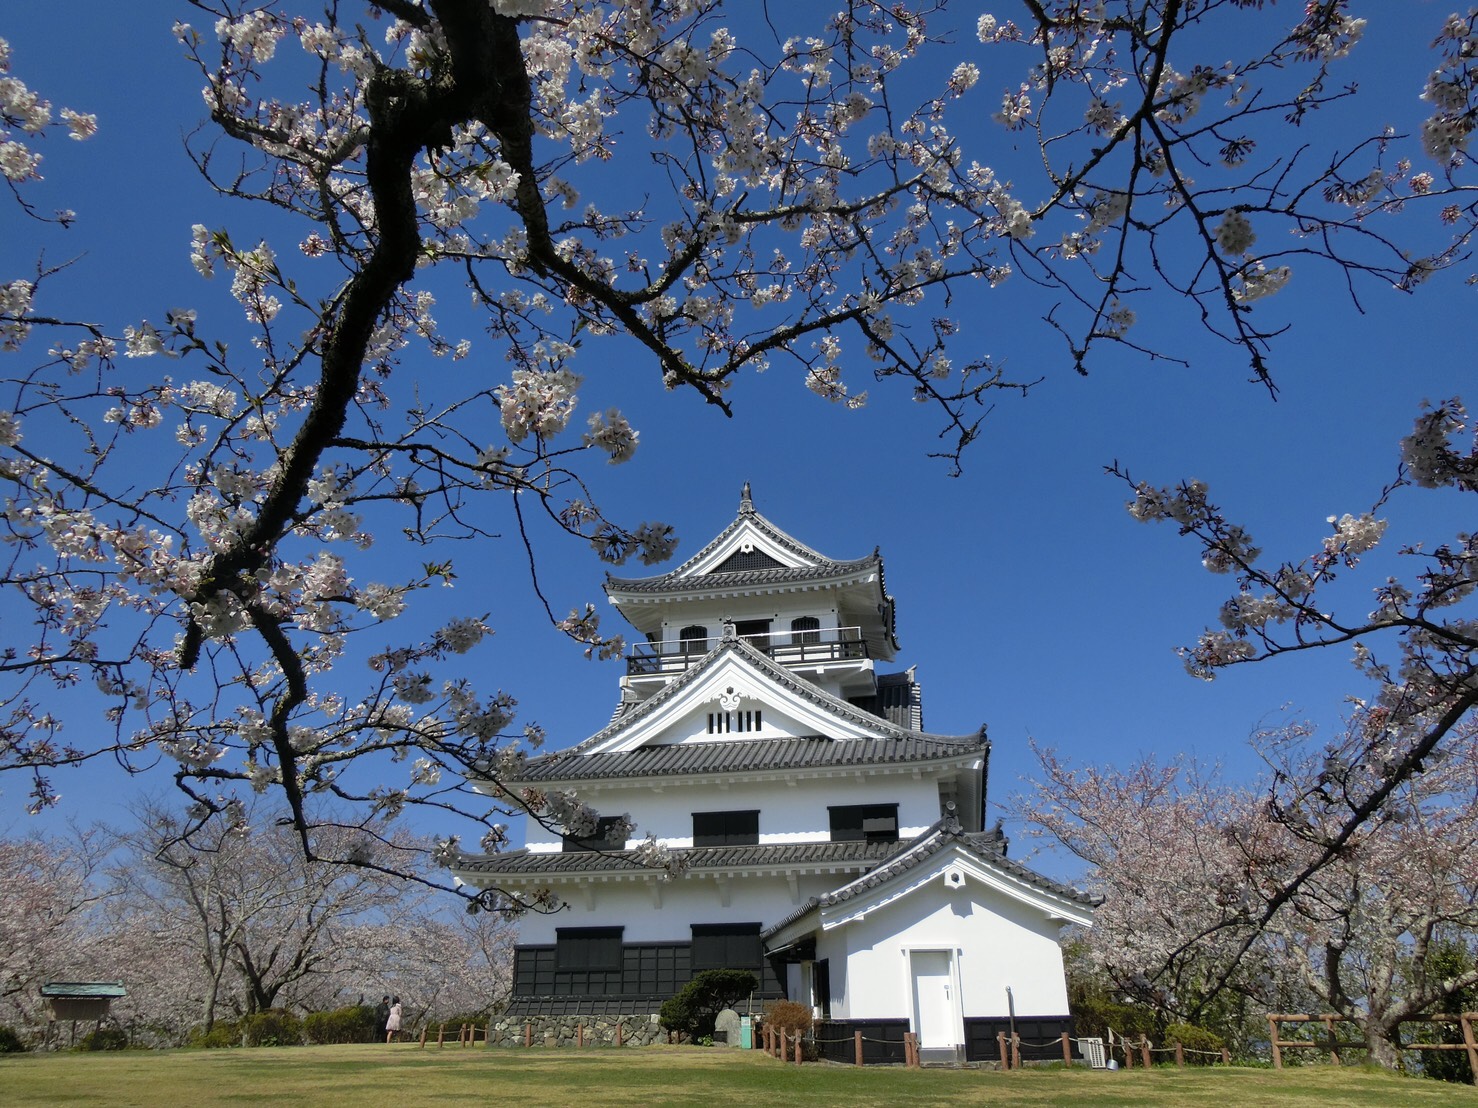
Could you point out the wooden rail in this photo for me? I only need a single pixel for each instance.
(1332, 1044)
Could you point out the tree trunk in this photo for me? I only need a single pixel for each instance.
(1382, 1045)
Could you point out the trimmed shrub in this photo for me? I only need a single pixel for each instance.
(104, 1038)
(274, 1027)
(788, 1016)
(10, 1042)
(692, 1011)
(222, 1034)
(354, 1024)
(1195, 1039)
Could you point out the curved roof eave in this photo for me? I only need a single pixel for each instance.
(769, 669)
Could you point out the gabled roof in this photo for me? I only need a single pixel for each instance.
(748, 525)
(750, 554)
(556, 865)
(983, 847)
(859, 737)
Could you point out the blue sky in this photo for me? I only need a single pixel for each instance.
(1027, 597)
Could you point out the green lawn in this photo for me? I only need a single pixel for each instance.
(404, 1074)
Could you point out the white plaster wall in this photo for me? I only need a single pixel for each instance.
(685, 901)
(791, 810)
(780, 609)
(998, 941)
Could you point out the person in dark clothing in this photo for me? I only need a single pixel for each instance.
(382, 1017)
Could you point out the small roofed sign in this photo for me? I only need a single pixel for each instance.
(81, 1000)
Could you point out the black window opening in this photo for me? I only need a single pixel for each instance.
(805, 629)
(726, 723)
(598, 840)
(726, 828)
(587, 948)
(727, 946)
(756, 632)
(821, 985)
(871, 823)
(694, 639)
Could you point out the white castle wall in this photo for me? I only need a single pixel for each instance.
(791, 810)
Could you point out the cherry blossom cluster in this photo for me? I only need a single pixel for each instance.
(24, 117)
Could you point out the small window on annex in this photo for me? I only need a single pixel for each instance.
(872, 823)
(694, 639)
(727, 946)
(599, 840)
(805, 629)
(587, 948)
(726, 828)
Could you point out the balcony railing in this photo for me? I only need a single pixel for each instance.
(789, 648)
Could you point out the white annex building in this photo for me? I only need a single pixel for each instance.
(830, 844)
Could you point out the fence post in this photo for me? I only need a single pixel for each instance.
(1067, 1050)
(528, 1033)
(1144, 1049)
(799, 1056)
(1179, 1054)
(1273, 1025)
(580, 1034)
(857, 1042)
(1128, 1053)
(1015, 1051)
(620, 1027)
(1226, 1059)
(441, 1035)
(423, 1038)
(911, 1041)
(1333, 1042)
(1466, 1019)
(1001, 1046)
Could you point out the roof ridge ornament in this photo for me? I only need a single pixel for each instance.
(746, 502)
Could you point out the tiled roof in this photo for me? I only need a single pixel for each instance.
(78, 990)
(747, 755)
(534, 769)
(525, 863)
(986, 845)
(678, 581)
(747, 513)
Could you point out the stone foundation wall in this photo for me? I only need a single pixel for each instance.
(557, 1031)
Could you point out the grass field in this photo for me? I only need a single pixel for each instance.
(404, 1074)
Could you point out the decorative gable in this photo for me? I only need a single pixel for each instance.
(734, 685)
(743, 560)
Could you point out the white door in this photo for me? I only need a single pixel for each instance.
(933, 999)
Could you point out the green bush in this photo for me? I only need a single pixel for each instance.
(10, 1042)
(354, 1024)
(1195, 1039)
(274, 1027)
(104, 1038)
(222, 1034)
(1093, 1016)
(693, 1010)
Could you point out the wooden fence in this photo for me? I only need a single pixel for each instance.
(1331, 1044)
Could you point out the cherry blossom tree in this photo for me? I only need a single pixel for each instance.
(257, 917)
(1210, 893)
(191, 514)
(49, 903)
(1416, 640)
(264, 926)
(1163, 845)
